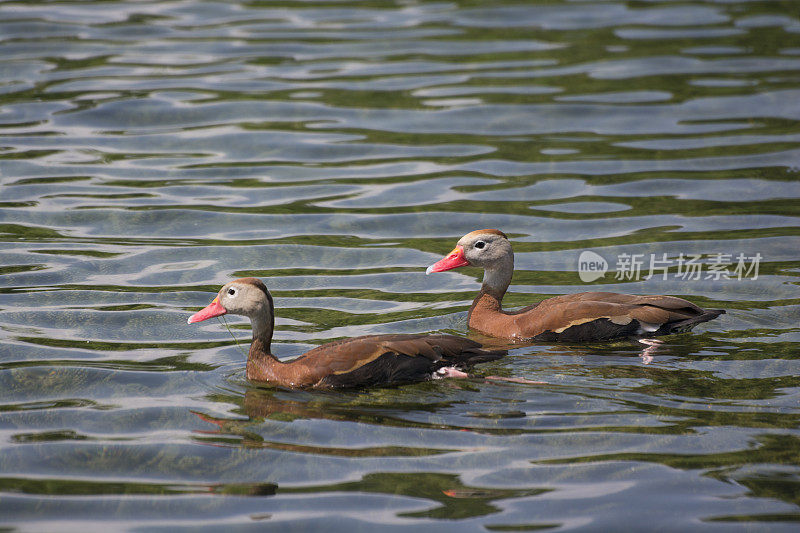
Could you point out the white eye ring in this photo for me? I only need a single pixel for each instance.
(480, 244)
(232, 292)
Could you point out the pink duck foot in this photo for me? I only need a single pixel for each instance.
(449, 372)
(647, 353)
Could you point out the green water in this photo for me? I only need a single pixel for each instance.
(152, 151)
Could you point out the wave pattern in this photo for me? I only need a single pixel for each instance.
(151, 151)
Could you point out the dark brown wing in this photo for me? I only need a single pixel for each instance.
(604, 315)
(375, 359)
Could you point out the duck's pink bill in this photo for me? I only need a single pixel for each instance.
(210, 311)
(453, 260)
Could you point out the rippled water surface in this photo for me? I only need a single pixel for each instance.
(151, 151)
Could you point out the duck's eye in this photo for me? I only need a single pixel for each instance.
(231, 292)
(480, 244)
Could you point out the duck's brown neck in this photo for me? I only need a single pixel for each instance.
(497, 278)
(489, 301)
(263, 325)
(261, 364)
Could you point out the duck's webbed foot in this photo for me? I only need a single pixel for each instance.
(449, 372)
(652, 346)
(453, 372)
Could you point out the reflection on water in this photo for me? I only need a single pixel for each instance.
(150, 152)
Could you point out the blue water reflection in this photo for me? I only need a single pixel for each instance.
(150, 152)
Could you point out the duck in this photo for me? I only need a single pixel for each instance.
(353, 362)
(580, 317)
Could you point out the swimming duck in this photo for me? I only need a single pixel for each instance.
(585, 316)
(354, 362)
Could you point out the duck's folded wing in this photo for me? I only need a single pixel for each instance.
(349, 354)
(389, 358)
(607, 315)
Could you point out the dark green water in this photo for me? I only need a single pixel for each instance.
(151, 151)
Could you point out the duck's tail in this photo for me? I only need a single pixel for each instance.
(682, 326)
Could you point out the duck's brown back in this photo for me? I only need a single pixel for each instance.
(589, 316)
(381, 359)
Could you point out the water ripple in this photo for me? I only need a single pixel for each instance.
(150, 152)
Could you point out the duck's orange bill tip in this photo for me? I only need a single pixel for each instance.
(454, 259)
(210, 311)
